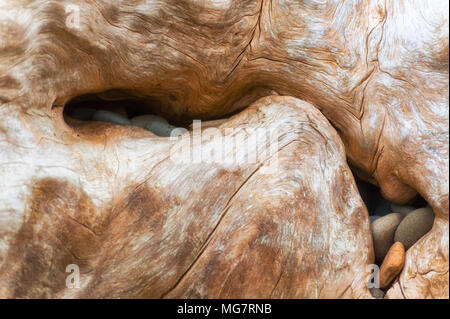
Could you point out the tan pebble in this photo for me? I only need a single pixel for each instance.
(383, 230)
(414, 226)
(392, 264)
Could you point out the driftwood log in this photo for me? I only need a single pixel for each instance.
(363, 82)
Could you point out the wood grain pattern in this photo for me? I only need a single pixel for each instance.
(380, 80)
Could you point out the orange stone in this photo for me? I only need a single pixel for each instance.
(392, 264)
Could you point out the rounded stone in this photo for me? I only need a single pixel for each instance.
(159, 128)
(414, 226)
(143, 120)
(402, 209)
(392, 264)
(383, 231)
(111, 117)
(377, 293)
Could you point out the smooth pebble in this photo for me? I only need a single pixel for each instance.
(414, 226)
(383, 230)
(402, 209)
(142, 120)
(377, 293)
(160, 128)
(392, 264)
(107, 116)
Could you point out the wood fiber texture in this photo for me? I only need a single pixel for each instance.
(111, 200)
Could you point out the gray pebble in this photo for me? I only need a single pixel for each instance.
(159, 128)
(414, 226)
(107, 116)
(383, 231)
(142, 120)
(178, 131)
(377, 293)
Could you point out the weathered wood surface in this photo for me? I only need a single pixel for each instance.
(381, 80)
(145, 225)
